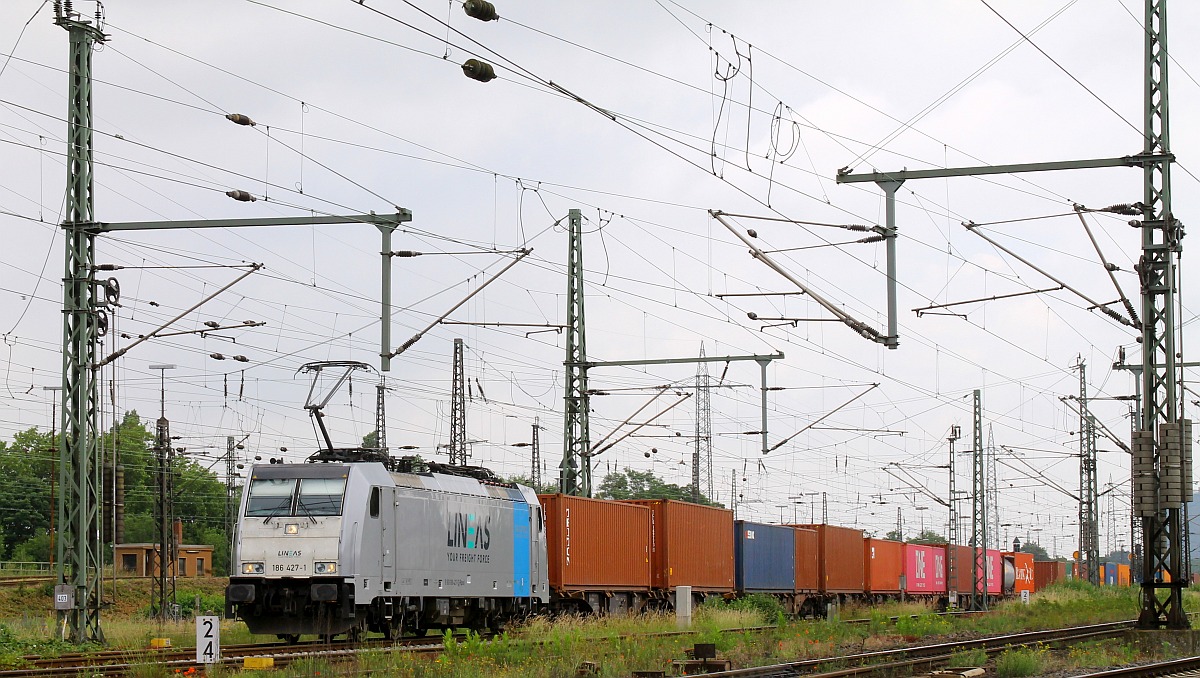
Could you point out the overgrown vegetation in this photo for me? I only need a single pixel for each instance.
(1021, 662)
(966, 658)
(618, 646)
(26, 465)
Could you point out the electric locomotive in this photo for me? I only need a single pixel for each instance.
(343, 548)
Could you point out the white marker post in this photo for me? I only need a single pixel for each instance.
(683, 606)
(208, 640)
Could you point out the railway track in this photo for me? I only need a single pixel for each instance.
(1188, 666)
(121, 662)
(888, 662)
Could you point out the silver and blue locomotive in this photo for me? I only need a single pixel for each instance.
(344, 548)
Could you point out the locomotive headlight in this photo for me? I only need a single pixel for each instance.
(253, 568)
(325, 568)
(291, 528)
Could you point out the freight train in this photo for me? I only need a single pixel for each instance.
(346, 548)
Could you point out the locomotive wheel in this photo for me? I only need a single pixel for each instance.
(393, 629)
(290, 638)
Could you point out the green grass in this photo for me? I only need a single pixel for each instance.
(548, 648)
(923, 626)
(1020, 662)
(1100, 654)
(966, 658)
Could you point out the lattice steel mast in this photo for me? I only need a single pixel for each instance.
(979, 518)
(458, 410)
(702, 480)
(381, 415)
(1089, 509)
(164, 583)
(575, 471)
(77, 593)
(1162, 448)
(952, 525)
(993, 503)
(535, 443)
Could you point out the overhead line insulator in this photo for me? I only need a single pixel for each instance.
(241, 196)
(480, 9)
(478, 70)
(239, 119)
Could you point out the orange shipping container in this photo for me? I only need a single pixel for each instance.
(593, 543)
(841, 562)
(690, 545)
(808, 570)
(884, 561)
(1046, 572)
(1123, 575)
(1023, 571)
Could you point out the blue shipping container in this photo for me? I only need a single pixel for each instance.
(1110, 574)
(764, 557)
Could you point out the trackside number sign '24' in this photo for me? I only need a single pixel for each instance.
(208, 640)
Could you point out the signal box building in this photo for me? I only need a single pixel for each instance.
(141, 560)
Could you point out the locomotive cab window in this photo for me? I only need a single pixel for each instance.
(270, 497)
(321, 496)
(374, 502)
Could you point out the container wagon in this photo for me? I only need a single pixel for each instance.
(598, 553)
(883, 567)
(1046, 572)
(841, 564)
(1021, 566)
(690, 545)
(807, 599)
(764, 558)
(925, 572)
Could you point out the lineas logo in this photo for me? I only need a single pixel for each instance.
(468, 531)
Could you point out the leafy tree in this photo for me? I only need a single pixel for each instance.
(25, 471)
(894, 535)
(632, 484)
(371, 440)
(33, 550)
(1036, 549)
(27, 467)
(927, 537)
(543, 488)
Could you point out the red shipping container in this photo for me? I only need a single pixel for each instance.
(1023, 570)
(883, 565)
(690, 545)
(842, 565)
(925, 569)
(964, 570)
(1046, 572)
(596, 544)
(808, 563)
(995, 572)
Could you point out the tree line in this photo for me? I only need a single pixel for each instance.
(28, 476)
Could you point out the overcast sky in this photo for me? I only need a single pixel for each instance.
(644, 114)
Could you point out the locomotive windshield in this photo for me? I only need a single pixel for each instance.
(271, 497)
(304, 497)
(321, 496)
